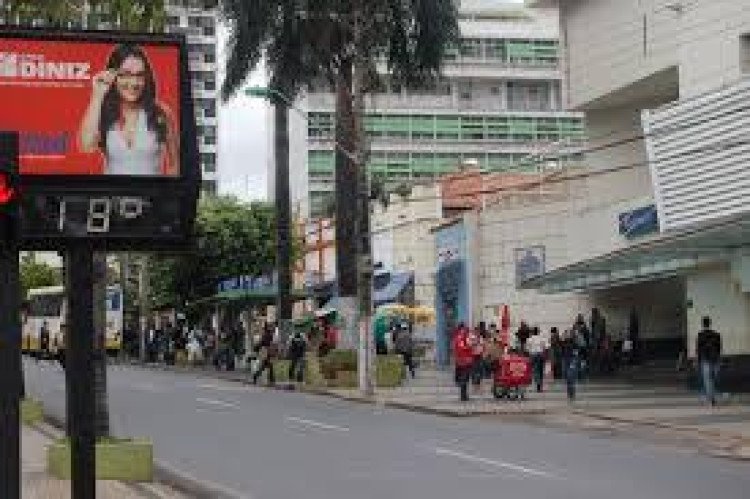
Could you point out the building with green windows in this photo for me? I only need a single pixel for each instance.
(499, 104)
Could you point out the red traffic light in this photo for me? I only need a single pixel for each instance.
(7, 190)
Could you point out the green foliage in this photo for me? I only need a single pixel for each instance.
(233, 239)
(323, 41)
(338, 360)
(36, 274)
(131, 15)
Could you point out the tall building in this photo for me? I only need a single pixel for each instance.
(198, 20)
(499, 103)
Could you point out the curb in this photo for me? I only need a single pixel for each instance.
(164, 474)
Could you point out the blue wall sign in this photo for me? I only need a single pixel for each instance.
(246, 283)
(639, 222)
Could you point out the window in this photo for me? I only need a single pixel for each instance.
(528, 96)
(471, 48)
(209, 140)
(209, 162)
(45, 305)
(745, 53)
(209, 187)
(173, 20)
(209, 85)
(465, 90)
(209, 111)
(209, 31)
(209, 58)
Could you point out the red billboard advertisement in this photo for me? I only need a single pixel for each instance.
(92, 107)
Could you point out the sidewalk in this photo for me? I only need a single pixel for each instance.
(603, 404)
(37, 484)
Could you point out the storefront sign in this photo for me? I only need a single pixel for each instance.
(529, 262)
(639, 222)
(246, 283)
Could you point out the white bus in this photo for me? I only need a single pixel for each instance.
(44, 323)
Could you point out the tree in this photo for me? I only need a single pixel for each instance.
(133, 15)
(233, 239)
(35, 274)
(341, 43)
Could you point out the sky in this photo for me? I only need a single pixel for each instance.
(243, 136)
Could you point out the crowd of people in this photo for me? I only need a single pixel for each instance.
(582, 350)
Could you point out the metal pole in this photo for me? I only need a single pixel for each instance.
(11, 375)
(79, 343)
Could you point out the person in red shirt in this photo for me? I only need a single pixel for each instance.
(464, 358)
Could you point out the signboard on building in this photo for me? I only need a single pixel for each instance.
(638, 222)
(529, 262)
(247, 283)
(106, 129)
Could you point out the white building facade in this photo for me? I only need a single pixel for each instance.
(659, 224)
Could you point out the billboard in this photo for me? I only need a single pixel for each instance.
(92, 107)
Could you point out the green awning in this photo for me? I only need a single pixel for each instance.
(662, 256)
(260, 296)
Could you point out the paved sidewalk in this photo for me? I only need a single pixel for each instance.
(37, 484)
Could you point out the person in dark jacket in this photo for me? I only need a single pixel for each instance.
(569, 347)
(297, 347)
(265, 354)
(708, 351)
(404, 344)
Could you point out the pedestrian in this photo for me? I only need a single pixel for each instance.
(297, 347)
(634, 332)
(405, 347)
(537, 350)
(708, 351)
(464, 359)
(477, 349)
(570, 361)
(582, 337)
(556, 353)
(522, 336)
(265, 349)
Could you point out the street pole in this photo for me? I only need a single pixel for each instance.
(283, 216)
(143, 306)
(11, 374)
(364, 246)
(79, 343)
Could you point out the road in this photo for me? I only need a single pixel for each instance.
(268, 444)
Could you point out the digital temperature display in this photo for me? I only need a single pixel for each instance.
(91, 216)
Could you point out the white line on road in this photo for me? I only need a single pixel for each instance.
(490, 462)
(219, 403)
(316, 424)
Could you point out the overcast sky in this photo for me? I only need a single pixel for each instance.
(243, 136)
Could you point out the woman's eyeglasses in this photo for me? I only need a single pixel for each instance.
(125, 75)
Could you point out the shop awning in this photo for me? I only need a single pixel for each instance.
(662, 256)
(260, 296)
(391, 292)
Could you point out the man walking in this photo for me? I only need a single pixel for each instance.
(708, 351)
(537, 350)
(266, 353)
(405, 347)
(297, 347)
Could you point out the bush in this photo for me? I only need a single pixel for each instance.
(338, 360)
(389, 371)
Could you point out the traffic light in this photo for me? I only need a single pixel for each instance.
(9, 190)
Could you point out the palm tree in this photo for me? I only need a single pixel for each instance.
(340, 43)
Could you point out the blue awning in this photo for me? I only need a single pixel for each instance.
(391, 292)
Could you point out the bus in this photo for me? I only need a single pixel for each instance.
(44, 324)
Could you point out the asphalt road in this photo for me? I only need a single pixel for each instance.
(276, 445)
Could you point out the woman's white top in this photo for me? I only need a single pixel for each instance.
(142, 157)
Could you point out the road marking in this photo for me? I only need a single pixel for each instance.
(219, 403)
(316, 424)
(490, 462)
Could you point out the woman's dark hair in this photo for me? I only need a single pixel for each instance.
(155, 119)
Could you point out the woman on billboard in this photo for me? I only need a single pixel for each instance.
(125, 122)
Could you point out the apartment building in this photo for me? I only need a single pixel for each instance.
(499, 103)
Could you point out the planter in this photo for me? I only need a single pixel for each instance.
(313, 373)
(345, 379)
(116, 459)
(31, 412)
(389, 371)
(281, 370)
